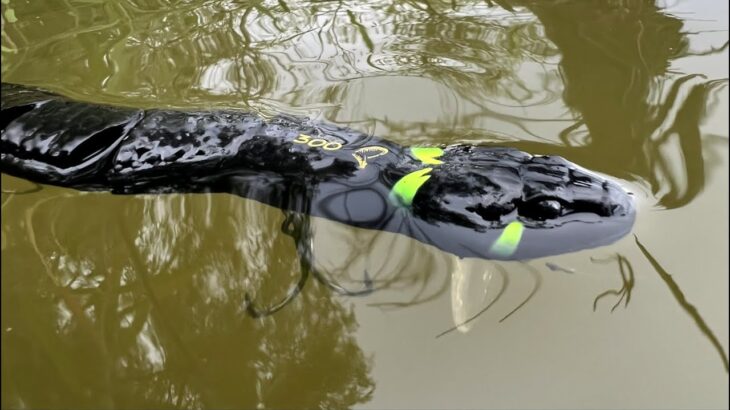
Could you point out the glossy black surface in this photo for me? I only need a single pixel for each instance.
(470, 197)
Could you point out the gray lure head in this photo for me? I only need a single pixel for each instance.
(562, 206)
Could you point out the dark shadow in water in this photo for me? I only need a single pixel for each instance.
(685, 304)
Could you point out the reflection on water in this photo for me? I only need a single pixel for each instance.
(645, 125)
(499, 65)
(137, 304)
(686, 305)
(164, 301)
(291, 53)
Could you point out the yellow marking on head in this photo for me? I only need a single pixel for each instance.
(406, 188)
(509, 240)
(428, 155)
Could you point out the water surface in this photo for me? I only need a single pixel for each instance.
(140, 301)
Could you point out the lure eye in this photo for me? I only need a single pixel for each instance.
(542, 209)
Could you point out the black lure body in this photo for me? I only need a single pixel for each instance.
(459, 198)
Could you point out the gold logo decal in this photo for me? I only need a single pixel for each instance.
(317, 142)
(362, 155)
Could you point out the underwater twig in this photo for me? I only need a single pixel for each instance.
(536, 286)
(257, 313)
(296, 225)
(306, 258)
(627, 277)
(293, 229)
(415, 300)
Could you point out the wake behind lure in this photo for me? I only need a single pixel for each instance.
(484, 202)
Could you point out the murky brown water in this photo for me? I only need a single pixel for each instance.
(139, 301)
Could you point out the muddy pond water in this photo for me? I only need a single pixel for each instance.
(139, 301)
